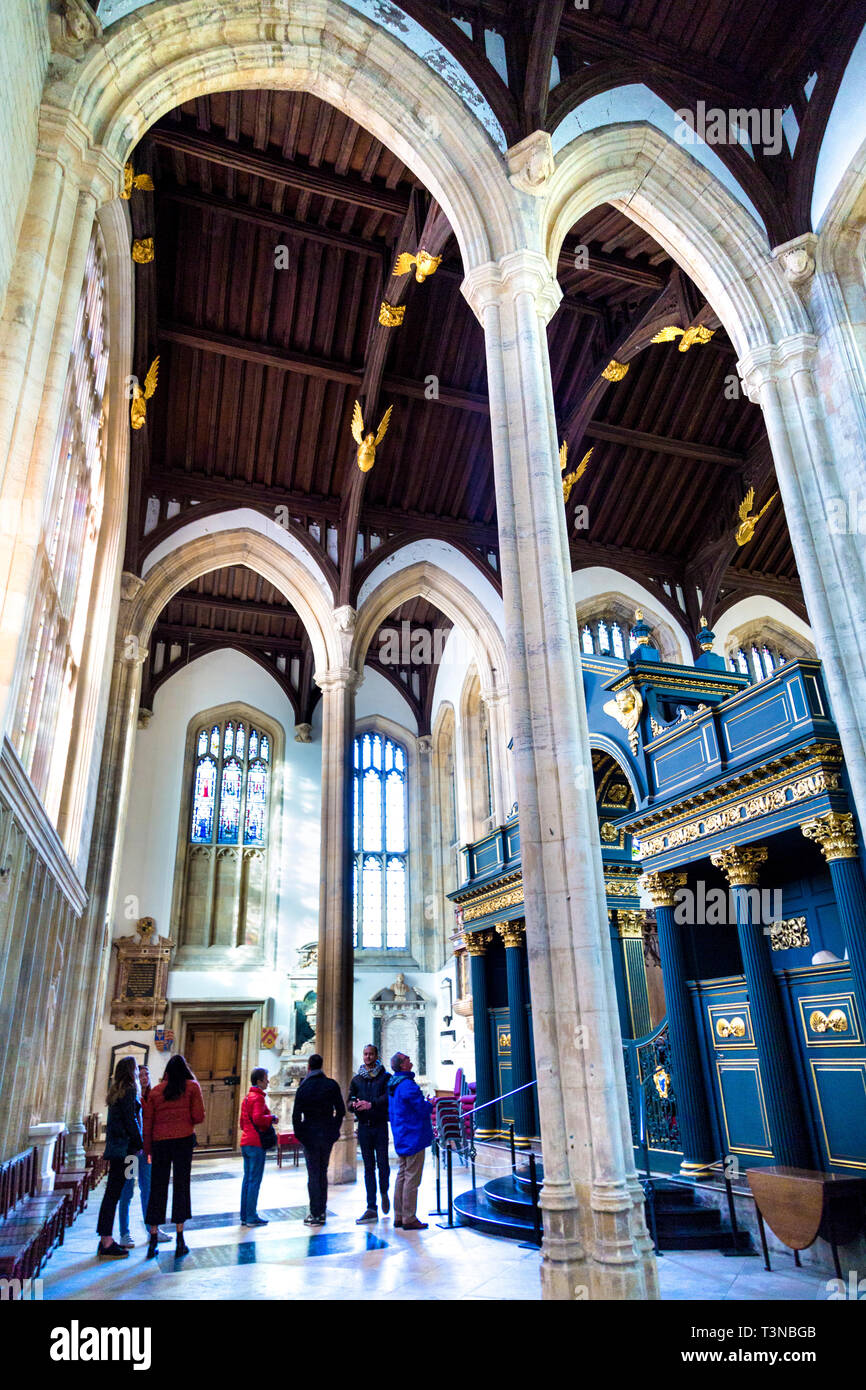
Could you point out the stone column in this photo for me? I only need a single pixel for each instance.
(829, 552)
(497, 721)
(629, 933)
(789, 1138)
(514, 938)
(595, 1239)
(334, 989)
(699, 1149)
(476, 945)
(835, 834)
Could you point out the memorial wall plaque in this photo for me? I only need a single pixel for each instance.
(139, 1002)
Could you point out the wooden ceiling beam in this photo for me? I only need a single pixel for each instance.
(659, 444)
(611, 264)
(200, 487)
(234, 605)
(342, 187)
(279, 222)
(178, 633)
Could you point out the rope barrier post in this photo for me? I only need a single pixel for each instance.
(437, 1151)
(536, 1209)
(449, 1225)
(513, 1154)
(735, 1229)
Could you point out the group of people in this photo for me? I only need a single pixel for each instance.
(150, 1134)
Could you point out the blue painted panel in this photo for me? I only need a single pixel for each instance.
(487, 855)
(755, 720)
(743, 1108)
(832, 1055)
(685, 758)
(840, 1089)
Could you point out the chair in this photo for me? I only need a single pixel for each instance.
(287, 1140)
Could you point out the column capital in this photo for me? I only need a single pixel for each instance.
(797, 258)
(776, 362)
(476, 942)
(629, 923)
(338, 678)
(835, 834)
(512, 933)
(660, 888)
(519, 272)
(740, 864)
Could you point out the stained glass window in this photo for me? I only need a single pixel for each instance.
(381, 843)
(231, 787)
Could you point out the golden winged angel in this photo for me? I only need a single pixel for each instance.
(625, 708)
(424, 264)
(138, 409)
(368, 443)
(133, 180)
(746, 528)
(699, 333)
(570, 479)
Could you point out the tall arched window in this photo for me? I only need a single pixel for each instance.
(66, 554)
(381, 875)
(226, 830)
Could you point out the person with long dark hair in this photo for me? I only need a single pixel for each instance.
(171, 1112)
(123, 1142)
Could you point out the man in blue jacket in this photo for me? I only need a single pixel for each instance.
(409, 1113)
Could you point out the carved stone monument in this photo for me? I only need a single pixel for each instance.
(139, 1002)
(400, 1023)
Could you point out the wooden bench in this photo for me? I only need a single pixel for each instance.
(93, 1149)
(30, 1224)
(77, 1182)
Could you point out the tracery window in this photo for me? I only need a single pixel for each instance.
(67, 547)
(757, 660)
(226, 830)
(381, 843)
(606, 637)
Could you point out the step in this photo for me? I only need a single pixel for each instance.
(473, 1209)
(504, 1195)
(687, 1238)
(692, 1219)
(522, 1176)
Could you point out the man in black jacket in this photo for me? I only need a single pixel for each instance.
(368, 1100)
(316, 1118)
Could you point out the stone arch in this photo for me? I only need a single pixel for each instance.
(425, 580)
(659, 186)
(760, 619)
(598, 589)
(238, 547)
(600, 743)
(169, 52)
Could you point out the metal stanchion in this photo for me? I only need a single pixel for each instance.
(735, 1230)
(438, 1211)
(513, 1153)
(537, 1236)
(449, 1225)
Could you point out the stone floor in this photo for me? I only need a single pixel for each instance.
(284, 1260)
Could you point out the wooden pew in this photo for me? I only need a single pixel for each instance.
(30, 1224)
(77, 1182)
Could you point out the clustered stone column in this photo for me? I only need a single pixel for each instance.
(699, 1150)
(741, 867)
(334, 996)
(514, 939)
(595, 1238)
(835, 834)
(476, 945)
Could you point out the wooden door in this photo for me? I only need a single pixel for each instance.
(213, 1051)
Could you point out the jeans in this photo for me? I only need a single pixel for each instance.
(143, 1185)
(143, 1173)
(409, 1171)
(373, 1143)
(171, 1158)
(254, 1167)
(317, 1153)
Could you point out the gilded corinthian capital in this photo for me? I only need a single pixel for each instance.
(835, 833)
(661, 888)
(739, 864)
(476, 942)
(512, 933)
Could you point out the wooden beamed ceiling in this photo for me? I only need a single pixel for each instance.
(276, 220)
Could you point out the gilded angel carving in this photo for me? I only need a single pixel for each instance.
(368, 443)
(746, 528)
(626, 708)
(570, 479)
(424, 264)
(138, 409)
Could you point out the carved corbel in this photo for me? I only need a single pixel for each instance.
(531, 163)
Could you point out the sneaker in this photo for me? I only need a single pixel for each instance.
(112, 1251)
(370, 1214)
(314, 1220)
(127, 1242)
(415, 1225)
(386, 1203)
(162, 1237)
(258, 1221)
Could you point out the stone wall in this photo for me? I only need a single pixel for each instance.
(23, 64)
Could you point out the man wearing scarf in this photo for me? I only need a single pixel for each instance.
(368, 1102)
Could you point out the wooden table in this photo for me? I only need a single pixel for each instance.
(799, 1205)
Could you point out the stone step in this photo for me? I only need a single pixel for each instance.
(472, 1208)
(505, 1195)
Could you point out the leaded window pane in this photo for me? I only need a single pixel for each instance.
(204, 801)
(230, 803)
(255, 821)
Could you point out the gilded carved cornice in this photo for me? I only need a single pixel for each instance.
(740, 864)
(512, 933)
(661, 888)
(835, 834)
(812, 771)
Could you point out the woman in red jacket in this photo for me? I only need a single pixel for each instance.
(255, 1116)
(171, 1112)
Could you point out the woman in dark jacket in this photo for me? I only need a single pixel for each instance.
(123, 1139)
